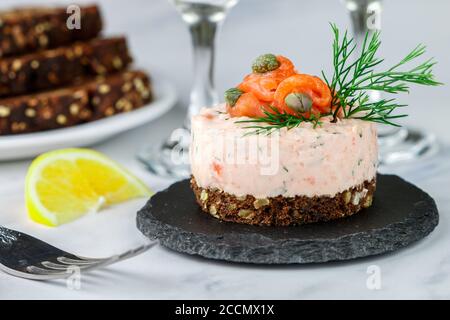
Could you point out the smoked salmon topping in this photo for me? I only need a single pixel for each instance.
(312, 86)
(272, 84)
(247, 106)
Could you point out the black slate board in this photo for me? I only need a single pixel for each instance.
(401, 214)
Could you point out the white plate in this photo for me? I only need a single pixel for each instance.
(31, 144)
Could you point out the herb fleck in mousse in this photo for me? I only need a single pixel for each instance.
(289, 148)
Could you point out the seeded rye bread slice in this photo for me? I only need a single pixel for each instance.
(283, 211)
(26, 30)
(92, 100)
(62, 66)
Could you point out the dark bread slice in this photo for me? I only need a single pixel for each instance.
(92, 100)
(26, 30)
(62, 66)
(119, 93)
(283, 211)
(48, 110)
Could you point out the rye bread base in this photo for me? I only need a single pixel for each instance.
(283, 211)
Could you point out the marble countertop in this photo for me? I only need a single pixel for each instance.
(298, 29)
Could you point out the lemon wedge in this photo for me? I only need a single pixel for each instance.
(66, 184)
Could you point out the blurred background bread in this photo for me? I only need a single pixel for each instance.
(29, 29)
(53, 77)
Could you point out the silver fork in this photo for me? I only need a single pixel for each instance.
(24, 256)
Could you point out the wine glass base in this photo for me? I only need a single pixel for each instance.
(407, 146)
(171, 159)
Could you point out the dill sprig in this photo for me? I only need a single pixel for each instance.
(353, 80)
(276, 120)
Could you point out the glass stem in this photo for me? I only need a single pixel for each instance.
(365, 15)
(203, 94)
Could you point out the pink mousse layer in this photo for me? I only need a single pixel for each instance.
(325, 160)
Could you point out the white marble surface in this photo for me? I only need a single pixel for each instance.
(159, 39)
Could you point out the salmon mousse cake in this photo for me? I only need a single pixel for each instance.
(317, 174)
(289, 148)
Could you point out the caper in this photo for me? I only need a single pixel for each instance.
(299, 102)
(264, 63)
(232, 95)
